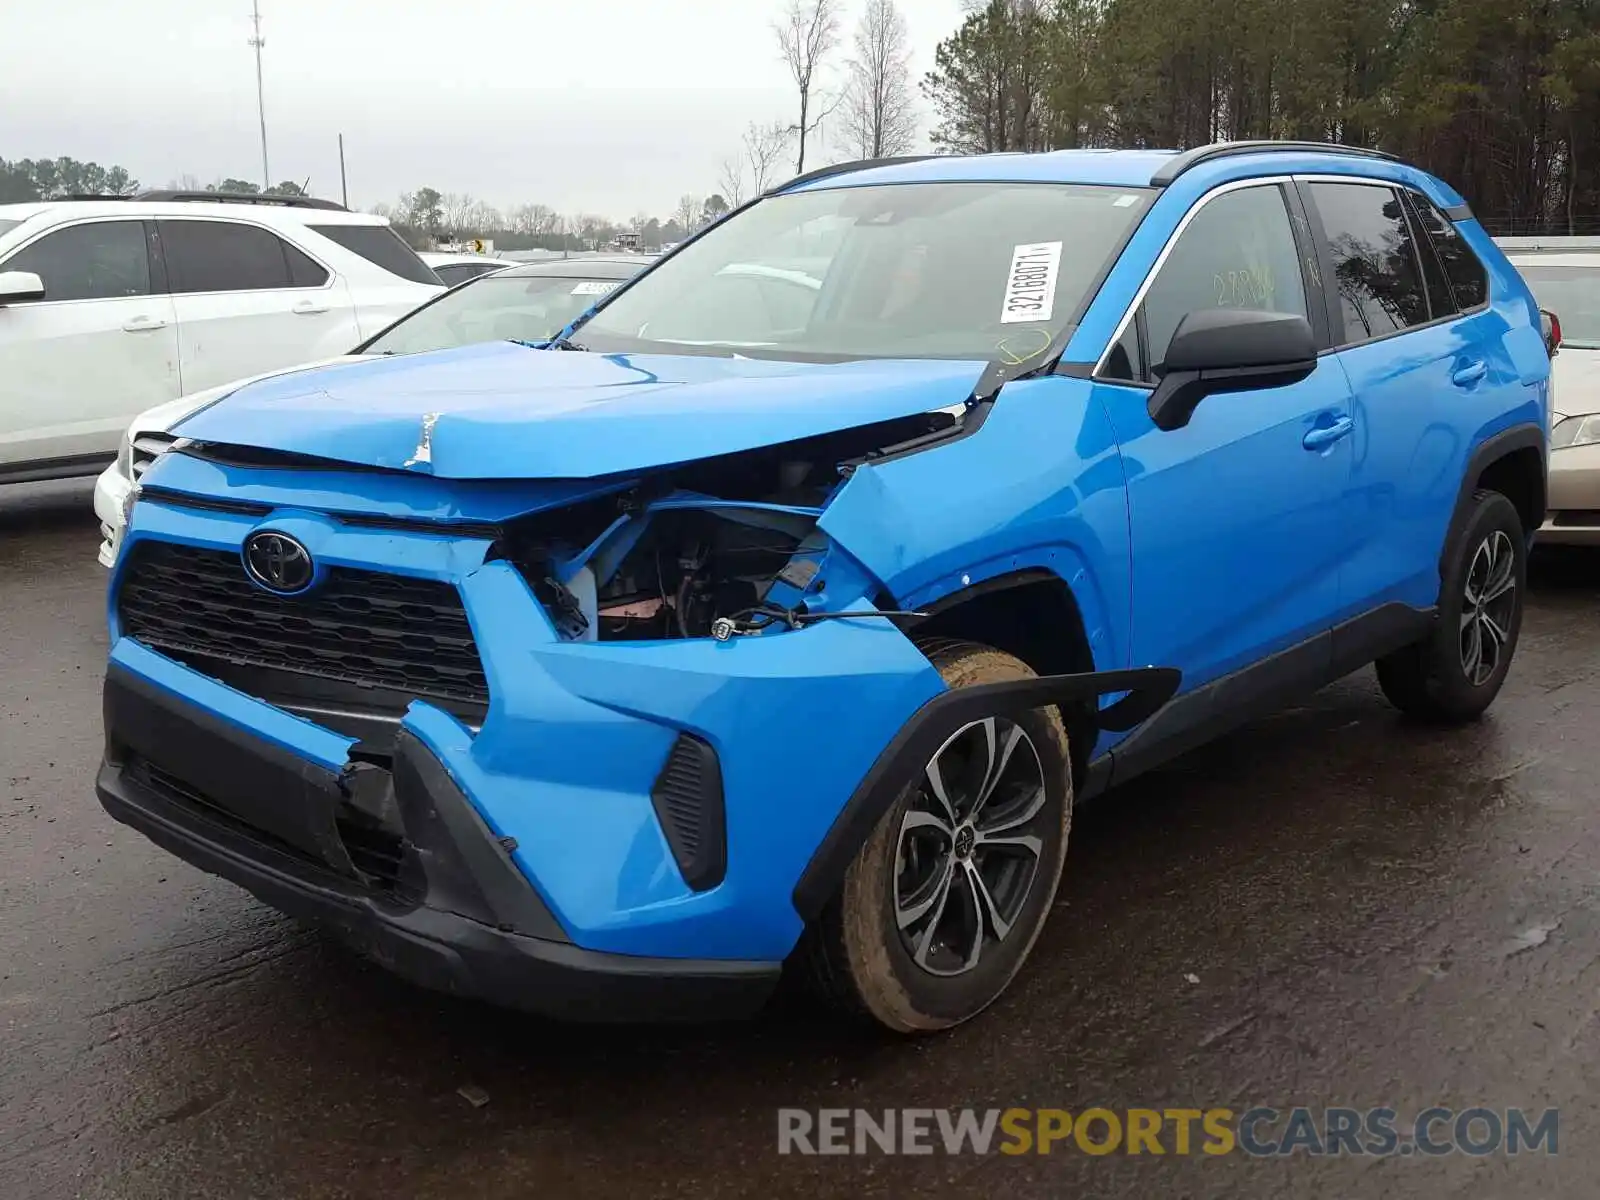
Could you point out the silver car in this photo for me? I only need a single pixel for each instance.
(1564, 274)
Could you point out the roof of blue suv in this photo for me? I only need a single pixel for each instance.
(1132, 168)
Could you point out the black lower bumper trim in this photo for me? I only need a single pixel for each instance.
(434, 942)
(1147, 688)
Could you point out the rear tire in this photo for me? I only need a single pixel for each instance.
(944, 902)
(1455, 673)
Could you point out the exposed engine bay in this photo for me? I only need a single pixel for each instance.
(722, 548)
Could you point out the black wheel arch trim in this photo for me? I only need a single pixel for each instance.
(1486, 453)
(1147, 688)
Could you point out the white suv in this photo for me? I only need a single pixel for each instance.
(108, 307)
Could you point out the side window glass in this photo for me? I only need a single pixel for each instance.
(222, 256)
(1468, 280)
(1375, 267)
(1440, 301)
(303, 270)
(1125, 361)
(1237, 252)
(100, 260)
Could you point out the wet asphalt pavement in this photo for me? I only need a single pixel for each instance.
(1333, 907)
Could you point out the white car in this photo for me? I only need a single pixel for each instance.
(1564, 273)
(528, 302)
(458, 268)
(109, 307)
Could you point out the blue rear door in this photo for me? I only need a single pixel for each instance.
(1427, 369)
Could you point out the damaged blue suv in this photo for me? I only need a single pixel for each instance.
(779, 610)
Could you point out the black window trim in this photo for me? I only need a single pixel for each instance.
(99, 219)
(1135, 309)
(1324, 252)
(325, 285)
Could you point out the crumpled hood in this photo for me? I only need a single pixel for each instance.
(163, 417)
(504, 411)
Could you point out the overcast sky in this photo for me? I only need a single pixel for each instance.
(606, 106)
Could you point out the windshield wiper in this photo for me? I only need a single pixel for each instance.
(559, 342)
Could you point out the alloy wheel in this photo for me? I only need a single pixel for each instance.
(1490, 604)
(969, 846)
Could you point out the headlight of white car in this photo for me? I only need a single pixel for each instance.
(1576, 431)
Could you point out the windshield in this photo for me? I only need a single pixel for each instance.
(7, 226)
(1573, 294)
(494, 308)
(947, 270)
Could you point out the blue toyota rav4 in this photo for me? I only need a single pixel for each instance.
(778, 611)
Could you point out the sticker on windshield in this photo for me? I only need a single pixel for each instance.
(594, 287)
(1031, 286)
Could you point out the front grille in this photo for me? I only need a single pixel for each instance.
(182, 795)
(148, 447)
(387, 635)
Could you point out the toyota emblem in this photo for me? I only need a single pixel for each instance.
(278, 563)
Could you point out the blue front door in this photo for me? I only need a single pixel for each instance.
(1235, 522)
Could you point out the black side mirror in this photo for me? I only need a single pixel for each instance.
(1229, 350)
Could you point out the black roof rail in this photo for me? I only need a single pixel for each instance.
(243, 198)
(845, 168)
(1178, 164)
(93, 196)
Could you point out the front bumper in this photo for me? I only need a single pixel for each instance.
(1574, 516)
(238, 805)
(110, 494)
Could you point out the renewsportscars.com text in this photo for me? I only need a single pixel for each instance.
(1257, 1132)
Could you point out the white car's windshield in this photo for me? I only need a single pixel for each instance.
(946, 270)
(526, 308)
(1573, 294)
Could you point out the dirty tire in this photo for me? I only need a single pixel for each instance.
(1430, 679)
(858, 957)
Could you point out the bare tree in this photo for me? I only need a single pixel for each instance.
(764, 145)
(481, 217)
(534, 220)
(454, 207)
(731, 180)
(688, 213)
(807, 33)
(879, 115)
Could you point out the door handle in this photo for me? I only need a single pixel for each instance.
(1470, 374)
(1324, 436)
(307, 308)
(143, 324)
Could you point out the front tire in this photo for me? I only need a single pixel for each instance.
(1455, 673)
(944, 902)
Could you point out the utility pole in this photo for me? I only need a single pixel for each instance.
(344, 188)
(261, 104)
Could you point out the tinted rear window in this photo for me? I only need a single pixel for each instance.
(1375, 266)
(1572, 293)
(228, 256)
(382, 247)
(1468, 280)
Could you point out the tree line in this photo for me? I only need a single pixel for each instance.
(1499, 97)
